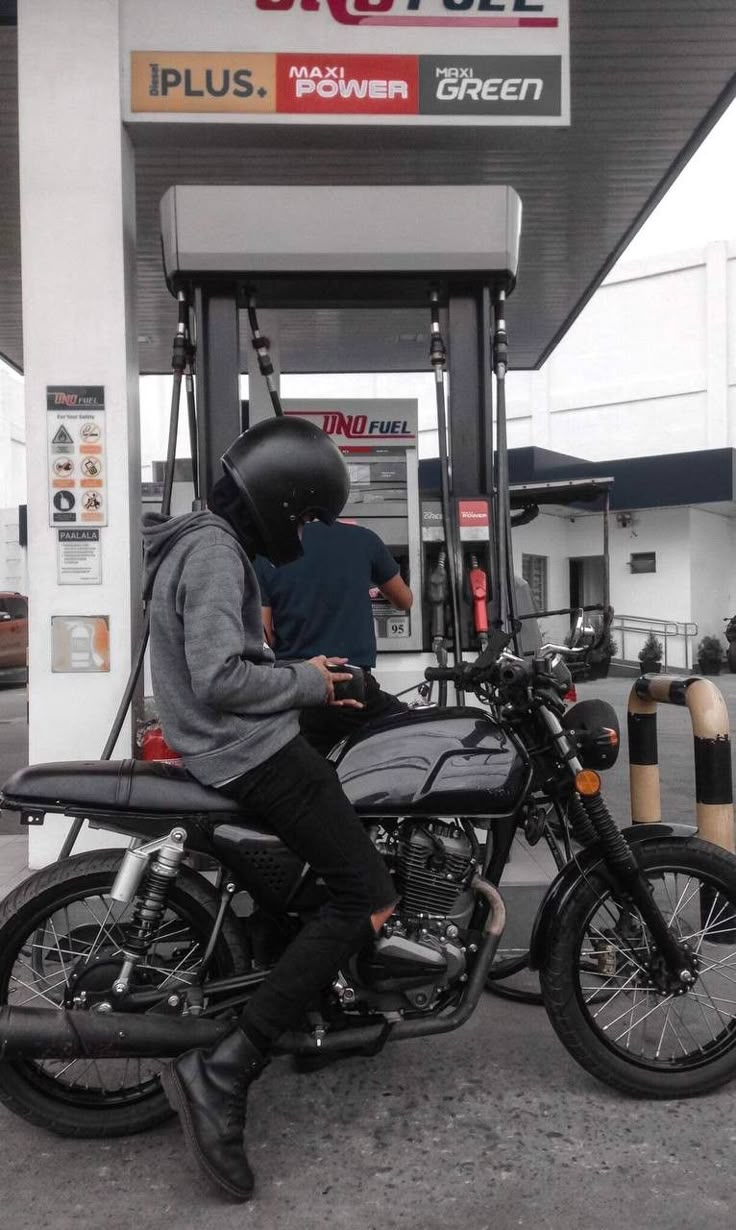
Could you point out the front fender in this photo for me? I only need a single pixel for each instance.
(588, 860)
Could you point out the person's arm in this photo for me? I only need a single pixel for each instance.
(219, 649)
(398, 593)
(267, 617)
(385, 574)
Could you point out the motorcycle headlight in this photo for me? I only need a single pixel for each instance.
(597, 732)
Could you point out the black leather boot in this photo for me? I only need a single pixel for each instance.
(208, 1090)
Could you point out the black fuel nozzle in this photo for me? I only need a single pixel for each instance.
(437, 589)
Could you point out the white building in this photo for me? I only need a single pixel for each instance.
(13, 573)
(647, 371)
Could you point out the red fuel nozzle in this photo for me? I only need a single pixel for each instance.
(479, 592)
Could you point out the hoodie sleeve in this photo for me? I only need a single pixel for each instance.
(220, 650)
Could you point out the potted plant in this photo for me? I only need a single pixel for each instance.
(598, 660)
(710, 656)
(650, 655)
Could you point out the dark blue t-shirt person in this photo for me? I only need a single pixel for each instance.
(320, 604)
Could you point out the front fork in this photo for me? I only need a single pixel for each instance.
(621, 861)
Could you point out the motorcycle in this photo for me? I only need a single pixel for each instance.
(730, 634)
(111, 960)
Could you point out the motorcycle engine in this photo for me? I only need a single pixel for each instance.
(421, 950)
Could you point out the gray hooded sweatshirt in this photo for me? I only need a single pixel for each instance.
(221, 703)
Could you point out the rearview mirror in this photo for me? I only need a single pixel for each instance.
(582, 635)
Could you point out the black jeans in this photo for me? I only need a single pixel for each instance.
(298, 795)
(324, 726)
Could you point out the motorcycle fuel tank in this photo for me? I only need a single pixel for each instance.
(433, 762)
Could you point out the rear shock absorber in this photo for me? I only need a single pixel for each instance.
(150, 900)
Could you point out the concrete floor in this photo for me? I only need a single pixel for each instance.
(493, 1127)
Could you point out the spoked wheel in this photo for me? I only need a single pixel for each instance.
(61, 939)
(607, 990)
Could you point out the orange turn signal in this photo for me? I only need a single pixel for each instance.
(587, 782)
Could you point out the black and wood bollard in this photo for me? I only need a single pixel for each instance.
(712, 746)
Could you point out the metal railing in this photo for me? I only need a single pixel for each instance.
(671, 632)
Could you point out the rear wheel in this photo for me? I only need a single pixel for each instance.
(605, 986)
(61, 934)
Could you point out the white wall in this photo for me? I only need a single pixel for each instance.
(689, 584)
(12, 438)
(13, 571)
(13, 557)
(712, 577)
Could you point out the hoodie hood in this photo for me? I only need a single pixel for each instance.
(160, 533)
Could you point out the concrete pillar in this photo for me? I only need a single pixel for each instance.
(78, 263)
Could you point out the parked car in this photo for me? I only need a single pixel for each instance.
(13, 636)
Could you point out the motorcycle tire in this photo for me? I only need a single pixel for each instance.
(617, 1018)
(60, 1101)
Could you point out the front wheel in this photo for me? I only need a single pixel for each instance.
(605, 985)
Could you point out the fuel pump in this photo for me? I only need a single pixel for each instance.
(472, 521)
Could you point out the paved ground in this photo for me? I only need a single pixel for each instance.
(493, 1127)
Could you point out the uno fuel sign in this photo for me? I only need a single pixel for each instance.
(420, 62)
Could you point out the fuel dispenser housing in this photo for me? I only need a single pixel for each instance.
(378, 438)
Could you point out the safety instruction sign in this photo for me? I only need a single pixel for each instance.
(79, 558)
(77, 481)
(80, 644)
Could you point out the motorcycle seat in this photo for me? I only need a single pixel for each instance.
(77, 787)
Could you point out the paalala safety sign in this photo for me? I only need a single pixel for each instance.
(75, 421)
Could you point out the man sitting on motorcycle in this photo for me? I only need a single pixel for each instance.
(234, 719)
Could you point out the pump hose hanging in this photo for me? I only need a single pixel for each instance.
(261, 345)
(438, 357)
(181, 361)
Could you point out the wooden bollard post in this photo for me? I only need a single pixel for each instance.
(712, 747)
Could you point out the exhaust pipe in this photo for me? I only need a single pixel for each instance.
(40, 1033)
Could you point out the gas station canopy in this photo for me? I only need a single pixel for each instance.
(648, 80)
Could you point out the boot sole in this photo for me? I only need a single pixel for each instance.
(177, 1100)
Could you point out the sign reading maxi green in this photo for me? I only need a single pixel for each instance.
(391, 62)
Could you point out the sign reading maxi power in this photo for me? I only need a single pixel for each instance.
(430, 62)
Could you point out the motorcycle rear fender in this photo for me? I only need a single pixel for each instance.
(590, 859)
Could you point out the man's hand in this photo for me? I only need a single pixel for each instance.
(330, 678)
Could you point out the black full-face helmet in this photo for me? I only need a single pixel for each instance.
(287, 471)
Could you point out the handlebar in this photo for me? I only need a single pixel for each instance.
(442, 674)
(499, 667)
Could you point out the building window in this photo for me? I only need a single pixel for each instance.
(534, 572)
(643, 561)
